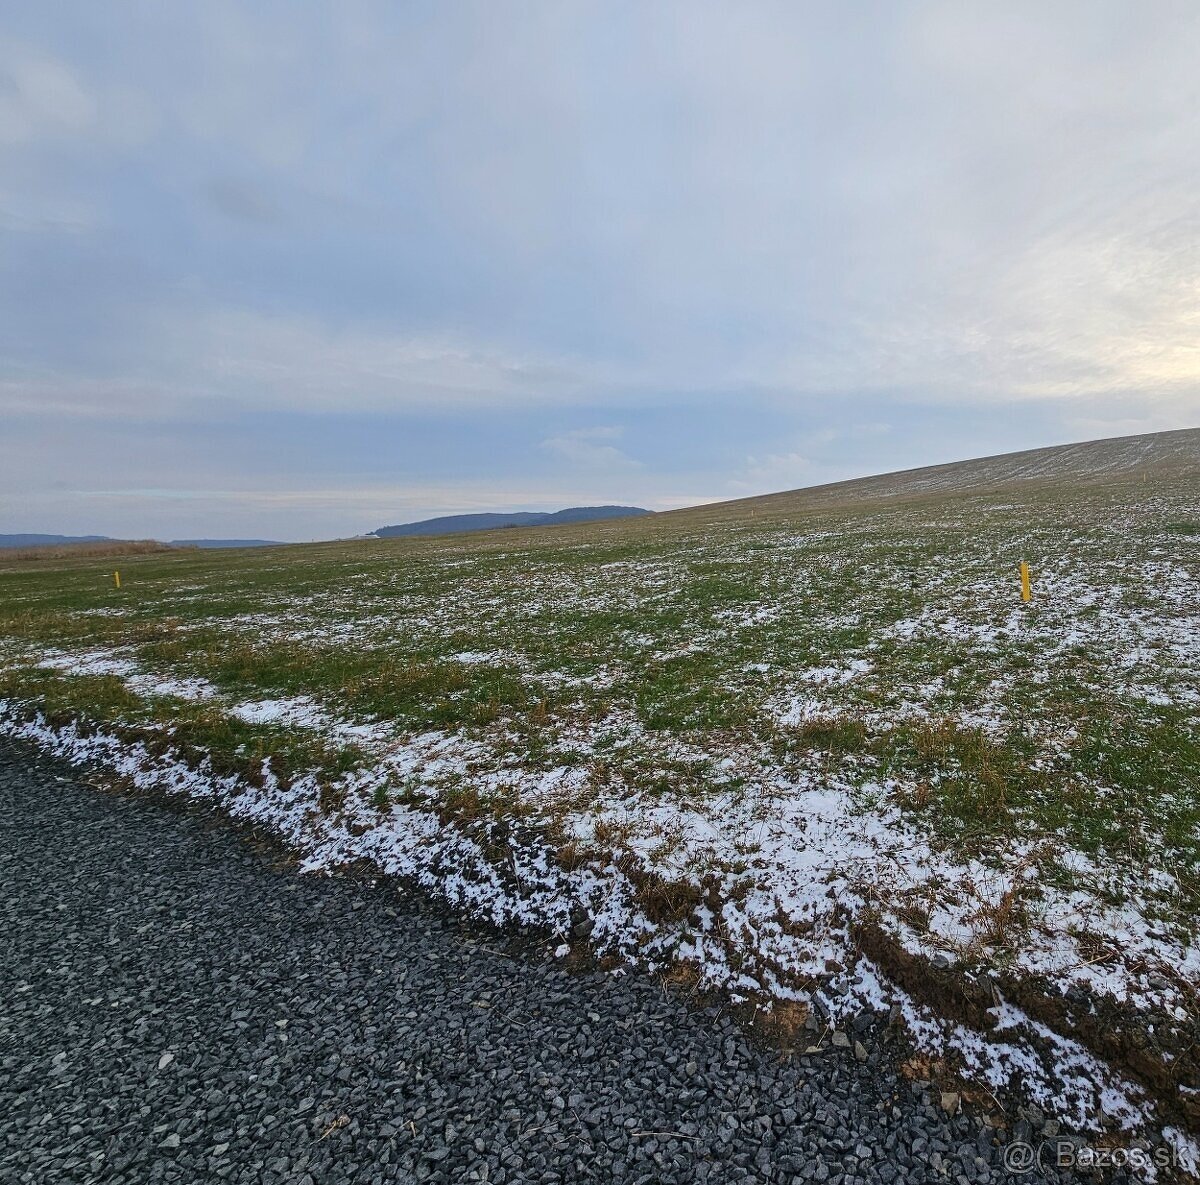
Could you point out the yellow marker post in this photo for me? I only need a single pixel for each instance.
(117, 579)
(1026, 588)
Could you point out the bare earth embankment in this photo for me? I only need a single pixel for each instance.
(808, 748)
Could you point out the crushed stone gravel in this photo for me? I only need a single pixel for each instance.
(179, 1005)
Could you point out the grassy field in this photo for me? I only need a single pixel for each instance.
(810, 745)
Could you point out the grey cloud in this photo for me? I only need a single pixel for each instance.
(40, 98)
(590, 447)
(566, 215)
(242, 202)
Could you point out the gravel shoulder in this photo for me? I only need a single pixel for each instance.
(180, 1005)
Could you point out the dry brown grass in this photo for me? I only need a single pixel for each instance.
(999, 924)
(85, 551)
(783, 1024)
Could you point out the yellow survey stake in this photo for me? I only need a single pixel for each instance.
(117, 579)
(1026, 588)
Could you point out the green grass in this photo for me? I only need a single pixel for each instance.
(197, 730)
(652, 651)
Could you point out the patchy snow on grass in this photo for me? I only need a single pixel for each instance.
(794, 867)
(736, 747)
(171, 686)
(88, 662)
(302, 712)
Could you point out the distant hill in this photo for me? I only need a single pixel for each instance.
(49, 540)
(452, 523)
(65, 540)
(225, 543)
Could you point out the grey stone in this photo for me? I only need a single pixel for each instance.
(420, 1048)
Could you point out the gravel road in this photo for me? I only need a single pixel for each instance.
(179, 1005)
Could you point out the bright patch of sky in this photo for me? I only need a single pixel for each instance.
(295, 270)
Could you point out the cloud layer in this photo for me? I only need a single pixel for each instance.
(266, 269)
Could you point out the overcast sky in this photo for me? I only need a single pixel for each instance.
(295, 271)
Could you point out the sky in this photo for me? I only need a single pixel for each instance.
(293, 270)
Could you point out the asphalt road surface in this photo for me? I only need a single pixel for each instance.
(180, 1005)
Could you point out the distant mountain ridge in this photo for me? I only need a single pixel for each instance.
(226, 543)
(61, 540)
(454, 523)
(51, 540)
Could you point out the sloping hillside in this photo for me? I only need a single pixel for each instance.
(1162, 455)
